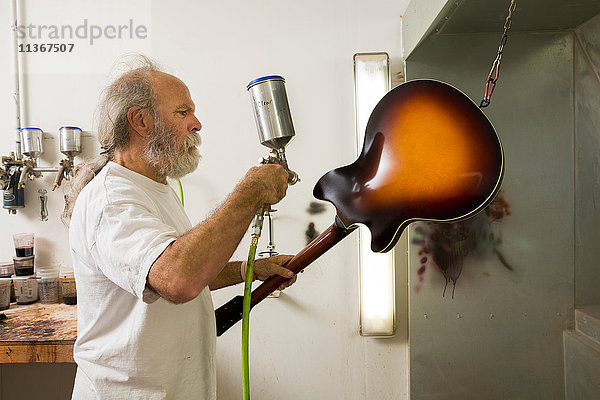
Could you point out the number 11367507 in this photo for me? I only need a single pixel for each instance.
(46, 48)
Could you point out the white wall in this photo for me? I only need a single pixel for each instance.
(304, 344)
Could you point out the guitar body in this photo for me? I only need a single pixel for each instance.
(429, 154)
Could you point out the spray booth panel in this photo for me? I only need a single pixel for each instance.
(524, 265)
(587, 167)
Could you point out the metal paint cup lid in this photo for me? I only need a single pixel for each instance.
(265, 78)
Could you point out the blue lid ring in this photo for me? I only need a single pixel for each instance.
(265, 78)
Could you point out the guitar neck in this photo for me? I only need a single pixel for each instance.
(231, 312)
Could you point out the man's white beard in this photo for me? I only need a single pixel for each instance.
(162, 152)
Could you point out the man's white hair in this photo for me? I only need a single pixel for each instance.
(133, 88)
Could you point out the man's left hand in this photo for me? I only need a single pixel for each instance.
(266, 267)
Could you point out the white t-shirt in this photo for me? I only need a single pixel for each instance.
(131, 343)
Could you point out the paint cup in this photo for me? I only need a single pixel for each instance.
(24, 265)
(49, 284)
(5, 285)
(271, 111)
(31, 141)
(23, 244)
(26, 289)
(67, 285)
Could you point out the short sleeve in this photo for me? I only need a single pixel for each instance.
(129, 238)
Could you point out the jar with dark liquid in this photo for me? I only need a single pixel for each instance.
(24, 251)
(23, 244)
(24, 265)
(68, 288)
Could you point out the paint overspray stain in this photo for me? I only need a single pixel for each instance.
(311, 233)
(314, 208)
(446, 245)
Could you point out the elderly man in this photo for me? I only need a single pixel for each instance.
(146, 325)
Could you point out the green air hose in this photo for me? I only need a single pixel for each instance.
(246, 316)
(180, 191)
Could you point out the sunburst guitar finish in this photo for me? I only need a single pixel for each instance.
(429, 154)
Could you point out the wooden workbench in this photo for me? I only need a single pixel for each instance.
(38, 333)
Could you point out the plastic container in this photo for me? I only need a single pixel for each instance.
(26, 289)
(67, 285)
(7, 269)
(5, 285)
(24, 265)
(23, 244)
(49, 284)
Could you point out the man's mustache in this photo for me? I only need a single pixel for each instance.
(193, 140)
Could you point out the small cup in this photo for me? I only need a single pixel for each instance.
(23, 244)
(49, 288)
(7, 269)
(67, 285)
(26, 289)
(5, 286)
(24, 265)
(49, 284)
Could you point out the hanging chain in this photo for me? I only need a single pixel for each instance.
(495, 71)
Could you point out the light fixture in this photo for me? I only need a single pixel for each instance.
(376, 270)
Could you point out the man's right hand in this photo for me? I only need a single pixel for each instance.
(267, 184)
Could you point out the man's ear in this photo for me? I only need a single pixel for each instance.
(140, 120)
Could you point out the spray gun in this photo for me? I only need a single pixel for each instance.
(12, 195)
(15, 171)
(70, 146)
(275, 130)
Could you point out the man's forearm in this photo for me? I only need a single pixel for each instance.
(194, 260)
(230, 275)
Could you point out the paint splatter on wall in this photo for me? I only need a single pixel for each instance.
(311, 232)
(445, 246)
(315, 208)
